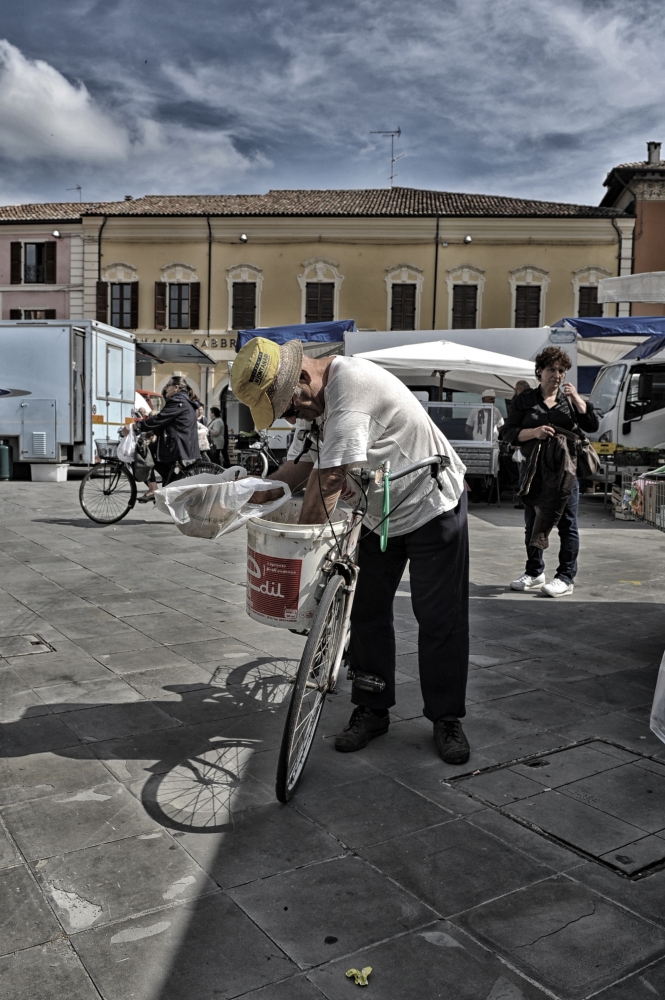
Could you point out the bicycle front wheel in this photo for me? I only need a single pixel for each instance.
(256, 463)
(310, 688)
(200, 467)
(107, 493)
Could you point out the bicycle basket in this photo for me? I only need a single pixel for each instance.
(106, 447)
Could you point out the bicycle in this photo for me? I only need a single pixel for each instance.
(259, 458)
(328, 639)
(108, 491)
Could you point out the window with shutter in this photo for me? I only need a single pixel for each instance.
(160, 305)
(34, 264)
(134, 306)
(50, 251)
(403, 307)
(36, 313)
(184, 299)
(244, 305)
(121, 305)
(194, 304)
(16, 264)
(527, 305)
(465, 307)
(15, 313)
(102, 311)
(588, 301)
(319, 301)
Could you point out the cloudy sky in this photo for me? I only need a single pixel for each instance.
(534, 98)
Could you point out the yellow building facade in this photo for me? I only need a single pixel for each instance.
(190, 269)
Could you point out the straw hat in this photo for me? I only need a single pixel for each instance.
(264, 377)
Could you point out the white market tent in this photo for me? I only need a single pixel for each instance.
(646, 287)
(469, 369)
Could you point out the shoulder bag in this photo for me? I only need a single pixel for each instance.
(588, 462)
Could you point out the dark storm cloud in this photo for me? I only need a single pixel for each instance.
(523, 97)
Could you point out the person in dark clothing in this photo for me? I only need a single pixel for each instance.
(520, 386)
(536, 415)
(176, 428)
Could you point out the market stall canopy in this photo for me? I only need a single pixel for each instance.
(613, 326)
(468, 369)
(318, 339)
(178, 354)
(646, 287)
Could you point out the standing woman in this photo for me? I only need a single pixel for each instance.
(176, 428)
(536, 415)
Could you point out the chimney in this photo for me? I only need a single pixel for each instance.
(653, 152)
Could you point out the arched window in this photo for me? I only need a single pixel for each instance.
(528, 288)
(585, 289)
(465, 297)
(244, 282)
(177, 298)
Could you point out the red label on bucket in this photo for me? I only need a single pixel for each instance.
(273, 585)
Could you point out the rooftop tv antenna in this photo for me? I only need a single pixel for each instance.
(394, 134)
(77, 187)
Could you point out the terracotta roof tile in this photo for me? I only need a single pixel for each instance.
(364, 203)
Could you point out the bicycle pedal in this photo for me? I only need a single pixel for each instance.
(366, 682)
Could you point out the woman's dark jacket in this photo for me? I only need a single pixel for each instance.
(551, 464)
(175, 427)
(528, 410)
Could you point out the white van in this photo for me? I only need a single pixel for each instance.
(630, 395)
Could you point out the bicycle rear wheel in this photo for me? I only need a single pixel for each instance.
(107, 493)
(200, 467)
(310, 688)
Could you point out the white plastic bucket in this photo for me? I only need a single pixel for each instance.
(48, 473)
(284, 560)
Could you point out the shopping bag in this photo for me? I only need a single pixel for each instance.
(657, 723)
(208, 506)
(127, 446)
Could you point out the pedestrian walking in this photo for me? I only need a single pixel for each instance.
(551, 416)
(176, 430)
(366, 417)
(216, 434)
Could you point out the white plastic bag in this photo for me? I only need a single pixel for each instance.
(209, 506)
(127, 446)
(657, 722)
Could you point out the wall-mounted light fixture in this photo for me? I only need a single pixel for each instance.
(467, 239)
(57, 234)
(243, 237)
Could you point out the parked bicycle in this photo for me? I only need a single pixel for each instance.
(259, 458)
(108, 491)
(328, 638)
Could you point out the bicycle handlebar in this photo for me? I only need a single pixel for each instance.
(434, 462)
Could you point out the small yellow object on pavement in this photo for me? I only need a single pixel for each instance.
(360, 978)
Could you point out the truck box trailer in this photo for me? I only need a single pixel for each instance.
(63, 384)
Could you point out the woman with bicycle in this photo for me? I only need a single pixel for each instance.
(366, 418)
(176, 428)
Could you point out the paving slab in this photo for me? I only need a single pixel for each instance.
(44, 972)
(25, 917)
(208, 947)
(569, 939)
(356, 906)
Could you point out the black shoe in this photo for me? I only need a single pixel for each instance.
(363, 726)
(450, 740)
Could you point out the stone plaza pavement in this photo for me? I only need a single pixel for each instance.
(143, 854)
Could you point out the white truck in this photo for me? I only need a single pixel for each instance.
(63, 384)
(630, 395)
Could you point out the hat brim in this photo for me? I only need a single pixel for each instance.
(288, 376)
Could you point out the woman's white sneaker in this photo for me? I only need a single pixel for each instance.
(526, 582)
(556, 588)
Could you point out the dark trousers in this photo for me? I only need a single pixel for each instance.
(569, 540)
(438, 555)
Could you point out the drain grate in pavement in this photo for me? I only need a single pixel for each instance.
(594, 797)
(23, 645)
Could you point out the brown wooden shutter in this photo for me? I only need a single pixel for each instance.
(465, 305)
(403, 311)
(16, 277)
(49, 314)
(102, 302)
(194, 304)
(589, 304)
(49, 263)
(15, 313)
(244, 305)
(319, 301)
(134, 306)
(160, 305)
(527, 305)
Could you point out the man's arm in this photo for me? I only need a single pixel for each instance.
(322, 493)
(295, 476)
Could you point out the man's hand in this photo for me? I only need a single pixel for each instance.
(572, 394)
(266, 496)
